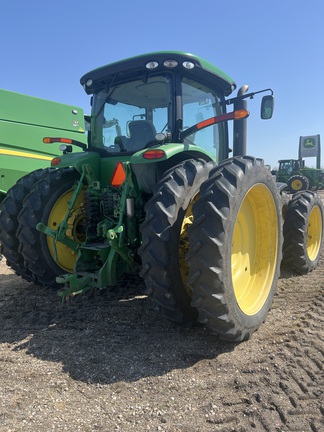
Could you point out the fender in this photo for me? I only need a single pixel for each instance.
(159, 153)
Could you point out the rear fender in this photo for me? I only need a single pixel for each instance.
(168, 151)
(148, 171)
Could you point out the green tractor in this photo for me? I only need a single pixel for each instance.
(156, 194)
(298, 177)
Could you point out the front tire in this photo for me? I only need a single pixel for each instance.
(235, 248)
(165, 241)
(303, 232)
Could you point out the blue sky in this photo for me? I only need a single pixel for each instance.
(48, 45)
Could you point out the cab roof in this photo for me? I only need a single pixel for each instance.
(133, 66)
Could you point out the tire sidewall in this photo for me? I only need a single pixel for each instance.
(313, 264)
(298, 206)
(251, 178)
(182, 204)
(63, 187)
(211, 275)
(162, 252)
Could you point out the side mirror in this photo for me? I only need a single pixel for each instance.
(267, 106)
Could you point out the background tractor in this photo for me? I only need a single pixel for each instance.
(156, 193)
(298, 177)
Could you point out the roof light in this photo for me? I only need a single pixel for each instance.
(154, 154)
(188, 65)
(170, 63)
(119, 175)
(89, 83)
(152, 65)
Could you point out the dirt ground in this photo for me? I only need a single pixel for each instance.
(106, 361)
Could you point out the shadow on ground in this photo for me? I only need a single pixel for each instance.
(100, 337)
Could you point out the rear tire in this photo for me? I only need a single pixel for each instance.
(303, 232)
(165, 240)
(235, 248)
(297, 183)
(47, 203)
(9, 211)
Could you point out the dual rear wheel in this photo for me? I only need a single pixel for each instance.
(225, 269)
(41, 196)
(213, 245)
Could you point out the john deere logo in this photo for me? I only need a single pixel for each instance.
(309, 143)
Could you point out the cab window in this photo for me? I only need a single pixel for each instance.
(200, 103)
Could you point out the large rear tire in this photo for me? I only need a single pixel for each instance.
(235, 248)
(9, 210)
(48, 203)
(303, 232)
(165, 239)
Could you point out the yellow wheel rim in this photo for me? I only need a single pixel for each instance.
(254, 251)
(66, 258)
(296, 185)
(184, 244)
(314, 233)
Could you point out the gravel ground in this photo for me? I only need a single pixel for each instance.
(107, 362)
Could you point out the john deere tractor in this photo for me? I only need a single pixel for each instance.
(298, 177)
(157, 192)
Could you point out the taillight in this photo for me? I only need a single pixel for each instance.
(153, 154)
(56, 161)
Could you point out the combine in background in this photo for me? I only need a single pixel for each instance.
(24, 122)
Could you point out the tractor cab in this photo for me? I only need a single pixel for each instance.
(290, 166)
(160, 98)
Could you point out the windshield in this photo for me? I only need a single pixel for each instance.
(201, 103)
(286, 166)
(129, 114)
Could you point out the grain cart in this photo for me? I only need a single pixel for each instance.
(156, 194)
(24, 121)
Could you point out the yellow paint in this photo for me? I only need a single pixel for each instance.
(314, 233)
(66, 258)
(25, 155)
(254, 249)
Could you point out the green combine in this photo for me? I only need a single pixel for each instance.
(24, 121)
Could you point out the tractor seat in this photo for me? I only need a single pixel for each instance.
(141, 133)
